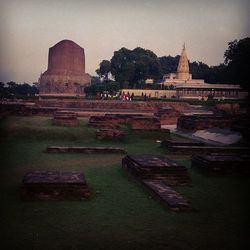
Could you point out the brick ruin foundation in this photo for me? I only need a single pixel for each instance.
(202, 122)
(222, 163)
(60, 149)
(145, 123)
(65, 118)
(158, 173)
(54, 185)
(168, 115)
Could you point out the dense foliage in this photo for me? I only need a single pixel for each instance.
(132, 67)
(237, 60)
(13, 90)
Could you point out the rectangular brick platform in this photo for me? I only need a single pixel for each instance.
(65, 118)
(184, 149)
(222, 163)
(173, 199)
(169, 143)
(54, 185)
(201, 122)
(157, 167)
(59, 149)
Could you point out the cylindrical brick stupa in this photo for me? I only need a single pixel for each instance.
(65, 75)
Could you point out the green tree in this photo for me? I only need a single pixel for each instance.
(104, 70)
(132, 66)
(237, 60)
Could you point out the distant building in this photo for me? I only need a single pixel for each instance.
(65, 75)
(186, 87)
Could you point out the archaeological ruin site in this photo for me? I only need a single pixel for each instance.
(117, 171)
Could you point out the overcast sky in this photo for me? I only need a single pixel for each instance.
(29, 27)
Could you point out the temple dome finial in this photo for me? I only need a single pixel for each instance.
(183, 65)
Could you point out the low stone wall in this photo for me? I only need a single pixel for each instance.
(65, 118)
(59, 149)
(201, 122)
(113, 104)
(190, 150)
(222, 163)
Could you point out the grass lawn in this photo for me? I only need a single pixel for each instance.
(120, 214)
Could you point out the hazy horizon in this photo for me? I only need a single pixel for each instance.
(29, 28)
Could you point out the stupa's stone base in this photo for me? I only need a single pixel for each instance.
(54, 185)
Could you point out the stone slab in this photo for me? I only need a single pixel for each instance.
(180, 149)
(54, 185)
(157, 167)
(173, 199)
(169, 143)
(59, 149)
(222, 163)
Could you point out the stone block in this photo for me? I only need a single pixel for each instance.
(59, 149)
(222, 163)
(54, 185)
(158, 168)
(169, 196)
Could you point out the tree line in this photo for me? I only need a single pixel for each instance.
(12, 90)
(130, 68)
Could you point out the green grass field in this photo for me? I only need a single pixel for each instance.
(120, 214)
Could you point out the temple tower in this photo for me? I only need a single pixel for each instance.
(183, 66)
(65, 75)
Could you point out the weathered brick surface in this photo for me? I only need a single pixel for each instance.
(65, 118)
(145, 123)
(194, 149)
(110, 134)
(201, 122)
(157, 167)
(173, 199)
(168, 143)
(59, 149)
(54, 185)
(158, 173)
(168, 115)
(222, 163)
(103, 122)
(113, 104)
